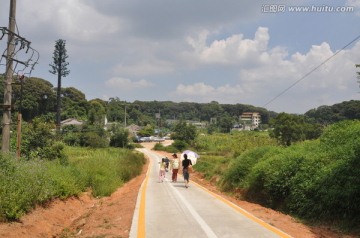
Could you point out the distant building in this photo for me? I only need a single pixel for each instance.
(250, 120)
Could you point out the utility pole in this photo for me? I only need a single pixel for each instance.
(18, 143)
(9, 74)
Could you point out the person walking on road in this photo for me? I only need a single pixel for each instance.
(186, 164)
(162, 170)
(174, 167)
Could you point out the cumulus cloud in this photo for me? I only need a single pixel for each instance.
(269, 71)
(144, 68)
(124, 84)
(232, 50)
(355, 4)
(173, 19)
(71, 18)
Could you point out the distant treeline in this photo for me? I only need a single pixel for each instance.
(39, 99)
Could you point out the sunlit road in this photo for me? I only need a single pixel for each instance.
(170, 210)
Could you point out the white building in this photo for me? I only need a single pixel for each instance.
(250, 120)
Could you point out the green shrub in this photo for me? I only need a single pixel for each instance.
(159, 146)
(119, 138)
(180, 145)
(25, 183)
(92, 139)
(241, 166)
(106, 169)
(72, 138)
(212, 166)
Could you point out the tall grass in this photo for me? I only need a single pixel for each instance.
(232, 144)
(105, 169)
(23, 184)
(315, 180)
(218, 151)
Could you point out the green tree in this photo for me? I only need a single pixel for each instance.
(74, 104)
(184, 132)
(287, 129)
(38, 141)
(119, 138)
(59, 67)
(211, 110)
(225, 123)
(93, 135)
(38, 98)
(96, 113)
(115, 110)
(148, 130)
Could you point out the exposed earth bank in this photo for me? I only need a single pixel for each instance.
(87, 216)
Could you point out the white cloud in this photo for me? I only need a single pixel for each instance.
(355, 4)
(232, 50)
(71, 18)
(271, 71)
(124, 84)
(206, 93)
(144, 68)
(199, 89)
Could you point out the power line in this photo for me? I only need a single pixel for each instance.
(311, 71)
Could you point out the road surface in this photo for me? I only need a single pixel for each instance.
(169, 209)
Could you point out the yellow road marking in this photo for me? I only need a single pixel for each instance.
(141, 231)
(245, 213)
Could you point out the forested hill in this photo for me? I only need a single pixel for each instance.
(330, 114)
(39, 98)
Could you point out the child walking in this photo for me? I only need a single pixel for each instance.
(162, 171)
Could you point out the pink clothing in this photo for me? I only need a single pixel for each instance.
(161, 175)
(162, 172)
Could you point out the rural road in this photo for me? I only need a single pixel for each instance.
(170, 210)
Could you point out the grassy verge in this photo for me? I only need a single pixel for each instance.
(317, 181)
(23, 184)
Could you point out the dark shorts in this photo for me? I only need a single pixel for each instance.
(186, 174)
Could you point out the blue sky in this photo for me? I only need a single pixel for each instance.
(230, 51)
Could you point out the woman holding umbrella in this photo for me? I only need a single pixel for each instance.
(186, 163)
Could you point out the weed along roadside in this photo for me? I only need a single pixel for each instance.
(222, 171)
(100, 170)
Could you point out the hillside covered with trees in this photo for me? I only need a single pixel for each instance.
(39, 99)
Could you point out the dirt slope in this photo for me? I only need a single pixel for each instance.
(112, 216)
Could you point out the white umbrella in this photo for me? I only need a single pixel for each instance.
(191, 155)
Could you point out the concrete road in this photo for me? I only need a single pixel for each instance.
(169, 209)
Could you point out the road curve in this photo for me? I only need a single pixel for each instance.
(169, 209)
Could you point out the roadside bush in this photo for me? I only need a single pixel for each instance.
(212, 167)
(25, 183)
(272, 178)
(38, 141)
(336, 191)
(106, 169)
(119, 138)
(180, 145)
(169, 148)
(159, 146)
(240, 167)
(72, 138)
(234, 144)
(92, 139)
